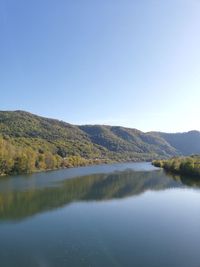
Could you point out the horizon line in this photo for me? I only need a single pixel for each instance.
(99, 124)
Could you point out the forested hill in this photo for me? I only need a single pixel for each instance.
(29, 142)
(187, 143)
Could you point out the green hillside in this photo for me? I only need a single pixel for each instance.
(31, 143)
(187, 143)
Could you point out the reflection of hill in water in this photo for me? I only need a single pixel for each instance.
(20, 204)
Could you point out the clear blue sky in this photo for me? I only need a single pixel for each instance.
(119, 62)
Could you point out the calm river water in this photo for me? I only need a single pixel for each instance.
(108, 215)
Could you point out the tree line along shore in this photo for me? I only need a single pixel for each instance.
(181, 165)
(31, 143)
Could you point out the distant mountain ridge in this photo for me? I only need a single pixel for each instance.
(63, 140)
(187, 143)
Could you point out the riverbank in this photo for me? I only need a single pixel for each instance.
(82, 163)
(180, 165)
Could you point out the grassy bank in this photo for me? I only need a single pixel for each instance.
(180, 165)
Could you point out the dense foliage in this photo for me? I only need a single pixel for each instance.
(15, 159)
(187, 143)
(32, 143)
(181, 165)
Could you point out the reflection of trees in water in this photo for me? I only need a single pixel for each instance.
(190, 181)
(20, 204)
